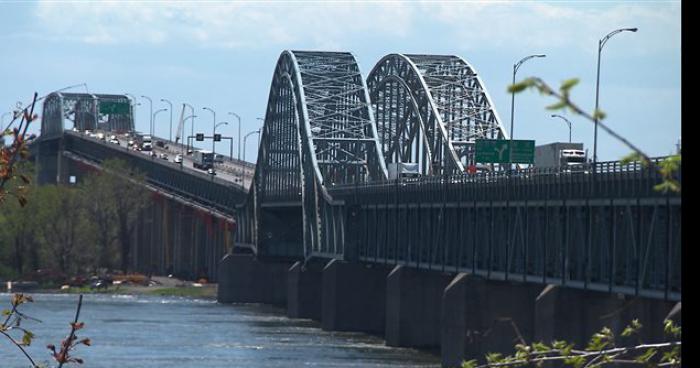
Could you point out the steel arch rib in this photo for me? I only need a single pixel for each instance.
(318, 129)
(453, 109)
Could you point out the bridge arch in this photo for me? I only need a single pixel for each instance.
(429, 110)
(319, 130)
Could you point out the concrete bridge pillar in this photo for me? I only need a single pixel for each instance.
(480, 316)
(414, 307)
(243, 279)
(353, 297)
(574, 315)
(304, 283)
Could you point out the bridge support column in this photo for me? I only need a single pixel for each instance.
(304, 291)
(478, 317)
(354, 297)
(413, 307)
(574, 315)
(243, 279)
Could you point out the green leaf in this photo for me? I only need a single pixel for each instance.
(646, 356)
(557, 106)
(599, 114)
(568, 84)
(666, 186)
(539, 347)
(521, 86)
(632, 329)
(6, 312)
(576, 361)
(469, 364)
(27, 338)
(492, 358)
(670, 328)
(632, 157)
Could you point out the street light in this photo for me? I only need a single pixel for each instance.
(516, 66)
(601, 43)
(567, 122)
(193, 116)
(151, 116)
(154, 118)
(246, 138)
(212, 139)
(239, 133)
(171, 116)
(214, 134)
(192, 135)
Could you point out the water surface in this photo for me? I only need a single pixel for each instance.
(153, 331)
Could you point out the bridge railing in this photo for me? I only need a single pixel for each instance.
(607, 231)
(201, 188)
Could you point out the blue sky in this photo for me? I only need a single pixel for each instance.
(222, 55)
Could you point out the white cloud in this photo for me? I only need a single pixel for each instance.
(473, 25)
(217, 24)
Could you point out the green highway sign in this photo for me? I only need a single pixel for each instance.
(523, 152)
(498, 151)
(114, 107)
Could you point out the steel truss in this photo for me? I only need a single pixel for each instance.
(319, 130)
(429, 110)
(83, 110)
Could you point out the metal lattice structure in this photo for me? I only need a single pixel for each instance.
(429, 110)
(86, 112)
(319, 130)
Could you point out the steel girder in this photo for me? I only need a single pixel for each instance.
(429, 110)
(319, 129)
(83, 110)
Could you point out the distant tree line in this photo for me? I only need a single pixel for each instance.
(73, 229)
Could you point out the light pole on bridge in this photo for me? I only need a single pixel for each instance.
(171, 116)
(155, 114)
(567, 123)
(601, 43)
(185, 120)
(214, 134)
(192, 115)
(212, 138)
(246, 138)
(516, 66)
(151, 113)
(239, 133)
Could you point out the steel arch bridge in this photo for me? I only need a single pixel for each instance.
(429, 110)
(319, 130)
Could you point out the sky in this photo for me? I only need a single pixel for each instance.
(222, 55)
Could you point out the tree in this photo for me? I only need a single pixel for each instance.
(130, 197)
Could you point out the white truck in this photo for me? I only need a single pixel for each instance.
(146, 143)
(398, 170)
(203, 160)
(562, 156)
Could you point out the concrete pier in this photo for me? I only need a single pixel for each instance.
(414, 307)
(575, 315)
(304, 282)
(354, 297)
(243, 279)
(480, 316)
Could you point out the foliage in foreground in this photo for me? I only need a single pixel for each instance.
(602, 349)
(666, 169)
(13, 322)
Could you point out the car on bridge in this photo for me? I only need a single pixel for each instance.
(178, 159)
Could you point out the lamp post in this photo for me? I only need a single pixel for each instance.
(151, 116)
(246, 138)
(214, 133)
(185, 120)
(193, 116)
(213, 112)
(155, 114)
(601, 43)
(516, 66)
(262, 124)
(567, 122)
(239, 133)
(171, 117)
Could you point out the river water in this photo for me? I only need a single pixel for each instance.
(153, 331)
